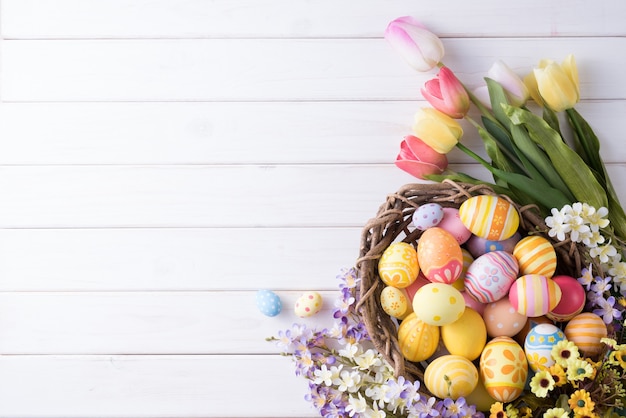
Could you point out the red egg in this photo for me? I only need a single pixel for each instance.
(572, 299)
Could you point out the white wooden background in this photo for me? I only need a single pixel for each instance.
(162, 160)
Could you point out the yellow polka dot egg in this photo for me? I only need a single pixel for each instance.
(438, 304)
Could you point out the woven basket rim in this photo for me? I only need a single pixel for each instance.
(392, 223)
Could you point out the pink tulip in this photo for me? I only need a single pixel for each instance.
(419, 47)
(418, 159)
(446, 94)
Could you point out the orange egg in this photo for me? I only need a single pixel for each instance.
(535, 255)
(439, 256)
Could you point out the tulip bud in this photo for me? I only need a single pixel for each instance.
(418, 159)
(438, 130)
(558, 85)
(419, 47)
(446, 94)
(516, 90)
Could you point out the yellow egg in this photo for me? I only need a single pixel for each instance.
(417, 339)
(503, 368)
(489, 217)
(308, 304)
(439, 255)
(395, 302)
(535, 255)
(466, 336)
(480, 397)
(438, 304)
(451, 376)
(398, 266)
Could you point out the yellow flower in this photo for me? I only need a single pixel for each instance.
(525, 412)
(497, 410)
(438, 130)
(564, 351)
(589, 415)
(619, 357)
(511, 411)
(558, 374)
(542, 383)
(581, 403)
(555, 413)
(557, 84)
(579, 369)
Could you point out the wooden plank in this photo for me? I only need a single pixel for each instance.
(299, 18)
(151, 387)
(175, 259)
(205, 196)
(235, 132)
(277, 69)
(149, 322)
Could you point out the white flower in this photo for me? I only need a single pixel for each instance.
(577, 227)
(368, 360)
(348, 381)
(593, 239)
(350, 351)
(558, 224)
(597, 219)
(356, 405)
(603, 252)
(326, 376)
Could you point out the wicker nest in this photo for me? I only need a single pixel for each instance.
(393, 224)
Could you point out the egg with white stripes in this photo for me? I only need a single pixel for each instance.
(451, 376)
(535, 255)
(489, 217)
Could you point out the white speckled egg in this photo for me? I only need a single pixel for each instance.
(539, 343)
(268, 302)
(308, 304)
(490, 276)
(502, 319)
(427, 216)
(438, 304)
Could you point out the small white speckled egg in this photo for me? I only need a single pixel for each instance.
(308, 304)
(268, 302)
(427, 216)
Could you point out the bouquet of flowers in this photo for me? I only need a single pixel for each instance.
(533, 164)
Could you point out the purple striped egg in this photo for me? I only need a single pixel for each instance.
(490, 276)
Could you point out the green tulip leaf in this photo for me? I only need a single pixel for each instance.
(568, 164)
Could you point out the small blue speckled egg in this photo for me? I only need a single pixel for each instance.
(427, 216)
(268, 302)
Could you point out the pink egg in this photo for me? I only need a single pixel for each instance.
(412, 289)
(451, 222)
(478, 246)
(439, 256)
(502, 319)
(490, 276)
(534, 295)
(572, 299)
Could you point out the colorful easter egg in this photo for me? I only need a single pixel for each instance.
(530, 324)
(451, 376)
(427, 215)
(470, 302)
(535, 255)
(439, 256)
(480, 397)
(573, 299)
(452, 223)
(585, 330)
(502, 319)
(466, 336)
(395, 302)
(478, 246)
(268, 302)
(438, 304)
(412, 289)
(398, 266)
(417, 339)
(490, 217)
(534, 295)
(490, 276)
(308, 304)
(538, 345)
(504, 369)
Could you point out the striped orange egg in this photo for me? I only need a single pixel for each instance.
(534, 295)
(585, 330)
(451, 376)
(535, 255)
(417, 339)
(489, 217)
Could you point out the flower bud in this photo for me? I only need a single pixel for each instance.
(419, 47)
(438, 130)
(446, 94)
(557, 84)
(418, 159)
(516, 90)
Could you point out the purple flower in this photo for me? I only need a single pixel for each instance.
(606, 309)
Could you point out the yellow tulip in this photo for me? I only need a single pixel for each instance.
(557, 84)
(438, 130)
